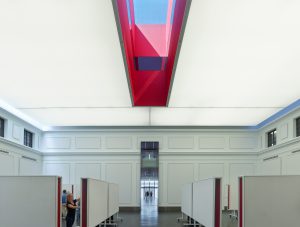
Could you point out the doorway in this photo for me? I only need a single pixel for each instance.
(149, 176)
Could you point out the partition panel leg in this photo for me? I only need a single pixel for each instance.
(180, 219)
(119, 219)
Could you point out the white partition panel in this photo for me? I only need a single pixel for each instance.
(269, 201)
(113, 199)
(187, 199)
(30, 201)
(94, 206)
(207, 202)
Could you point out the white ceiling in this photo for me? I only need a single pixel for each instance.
(62, 53)
(239, 53)
(61, 64)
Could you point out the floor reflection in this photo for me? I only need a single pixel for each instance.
(149, 207)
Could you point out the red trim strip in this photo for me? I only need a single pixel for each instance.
(218, 203)
(241, 202)
(83, 203)
(228, 196)
(58, 201)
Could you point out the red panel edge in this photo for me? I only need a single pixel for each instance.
(240, 202)
(58, 201)
(218, 203)
(228, 196)
(83, 203)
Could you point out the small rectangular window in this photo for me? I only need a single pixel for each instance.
(272, 138)
(298, 126)
(2, 127)
(28, 138)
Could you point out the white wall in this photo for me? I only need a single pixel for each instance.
(283, 158)
(114, 155)
(15, 158)
(185, 155)
(14, 130)
(18, 160)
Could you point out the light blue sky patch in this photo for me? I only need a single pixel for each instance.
(150, 11)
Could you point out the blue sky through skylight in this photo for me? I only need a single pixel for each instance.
(150, 11)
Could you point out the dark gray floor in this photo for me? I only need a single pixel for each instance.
(151, 218)
(162, 219)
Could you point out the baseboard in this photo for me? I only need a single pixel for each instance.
(130, 209)
(169, 209)
(160, 209)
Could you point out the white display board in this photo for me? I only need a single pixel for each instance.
(187, 199)
(96, 202)
(270, 201)
(207, 202)
(203, 202)
(30, 201)
(113, 199)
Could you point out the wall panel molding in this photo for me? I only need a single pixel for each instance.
(59, 169)
(87, 170)
(16, 132)
(212, 143)
(178, 174)
(118, 142)
(57, 142)
(87, 142)
(284, 131)
(122, 174)
(242, 142)
(181, 142)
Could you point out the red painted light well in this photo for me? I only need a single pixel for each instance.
(148, 42)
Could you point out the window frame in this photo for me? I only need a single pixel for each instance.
(297, 127)
(273, 140)
(30, 142)
(2, 127)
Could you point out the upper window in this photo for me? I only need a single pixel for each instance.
(298, 126)
(2, 127)
(28, 138)
(272, 138)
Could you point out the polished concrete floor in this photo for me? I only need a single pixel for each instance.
(162, 219)
(150, 217)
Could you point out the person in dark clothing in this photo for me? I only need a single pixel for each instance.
(71, 206)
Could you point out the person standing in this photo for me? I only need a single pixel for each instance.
(64, 197)
(64, 204)
(71, 206)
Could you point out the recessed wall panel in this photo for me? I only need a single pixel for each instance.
(179, 174)
(181, 142)
(121, 174)
(87, 143)
(211, 142)
(58, 169)
(120, 142)
(87, 170)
